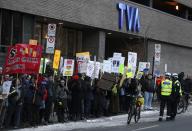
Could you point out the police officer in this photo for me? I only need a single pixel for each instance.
(175, 95)
(166, 89)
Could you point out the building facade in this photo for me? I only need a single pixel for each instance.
(95, 26)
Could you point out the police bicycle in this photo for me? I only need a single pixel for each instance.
(134, 108)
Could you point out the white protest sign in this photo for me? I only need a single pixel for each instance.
(144, 65)
(61, 64)
(132, 59)
(51, 29)
(50, 45)
(116, 61)
(82, 60)
(132, 62)
(157, 54)
(93, 69)
(68, 67)
(6, 87)
(107, 65)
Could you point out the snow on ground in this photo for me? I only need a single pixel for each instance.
(146, 116)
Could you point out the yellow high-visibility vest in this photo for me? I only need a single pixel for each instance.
(180, 90)
(166, 87)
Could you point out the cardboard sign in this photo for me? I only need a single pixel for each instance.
(68, 67)
(23, 58)
(51, 29)
(107, 81)
(82, 61)
(6, 87)
(56, 59)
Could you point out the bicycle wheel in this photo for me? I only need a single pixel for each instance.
(137, 113)
(129, 116)
(180, 106)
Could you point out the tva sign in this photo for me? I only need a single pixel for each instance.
(131, 15)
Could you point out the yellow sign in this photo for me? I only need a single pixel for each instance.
(56, 59)
(32, 42)
(121, 69)
(129, 72)
(83, 54)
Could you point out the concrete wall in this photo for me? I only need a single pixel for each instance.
(177, 58)
(185, 2)
(103, 14)
(94, 42)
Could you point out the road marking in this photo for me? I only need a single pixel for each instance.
(144, 128)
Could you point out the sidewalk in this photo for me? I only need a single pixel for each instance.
(99, 122)
(119, 120)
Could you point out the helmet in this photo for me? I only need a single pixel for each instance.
(168, 75)
(175, 75)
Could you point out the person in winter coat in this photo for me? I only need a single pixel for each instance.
(61, 102)
(88, 96)
(42, 109)
(50, 98)
(149, 89)
(131, 89)
(36, 102)
(11, 104)
(76, 94)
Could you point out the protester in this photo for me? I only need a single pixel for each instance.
(61, 104)
(76, 102)
(149, 89)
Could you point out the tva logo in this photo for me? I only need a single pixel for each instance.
(131, 15)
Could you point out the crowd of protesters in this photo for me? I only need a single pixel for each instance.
(35, 100)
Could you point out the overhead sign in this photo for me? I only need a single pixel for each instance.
(68, 67)
(157, 54)
(56, 59)
(50, 45)
(132, 17)
(23, 58)
(51, 29)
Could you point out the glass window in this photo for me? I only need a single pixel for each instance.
(17, 28)
(6, 30)
(28, 28)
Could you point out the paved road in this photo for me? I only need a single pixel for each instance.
(183, 123)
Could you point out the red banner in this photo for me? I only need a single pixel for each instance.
(23, 58)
